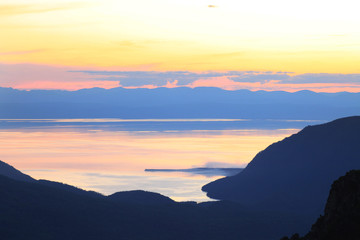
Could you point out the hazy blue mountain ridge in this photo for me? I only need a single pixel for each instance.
(176, 103)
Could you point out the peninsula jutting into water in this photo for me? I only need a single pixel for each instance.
(28, 205)
(181, 119)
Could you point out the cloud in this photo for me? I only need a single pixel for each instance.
(127, 44)
(16, 9)
(185, 78)
(21, 52)
(204, 171)
(32, 76)
(233, 80)
(275, 85)
(172, 84)
(323, 78)
(260, 77)
(141, 78)
(223, 82)
(70, 86)
(223, 165)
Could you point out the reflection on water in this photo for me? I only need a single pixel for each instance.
(117, 120)
(108, 159)
(180, 187)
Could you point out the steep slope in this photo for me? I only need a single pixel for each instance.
(69, 188)
(296, 173)
(341, 219)
(11, 172)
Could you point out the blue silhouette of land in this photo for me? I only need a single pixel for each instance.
(304, 164)
(165, 103)
(282, 191)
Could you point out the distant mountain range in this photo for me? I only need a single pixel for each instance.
(176, 103)
(295, 174)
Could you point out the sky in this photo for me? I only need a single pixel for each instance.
(231, 44)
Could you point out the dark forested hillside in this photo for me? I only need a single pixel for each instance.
(341, 219)
(282, 191)
(44, 210)
(295, 174)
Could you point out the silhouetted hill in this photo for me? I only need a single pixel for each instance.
(39, 210)
(69, 188)
(295, 174)
(11, 172)
(141, 197)
(341, 219)
(176, 103)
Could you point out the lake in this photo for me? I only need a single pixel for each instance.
(110, 155)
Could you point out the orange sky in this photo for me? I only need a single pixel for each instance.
(159, 35)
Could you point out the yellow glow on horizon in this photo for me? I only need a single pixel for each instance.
(306, 36)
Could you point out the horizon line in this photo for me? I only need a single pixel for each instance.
(178, 87)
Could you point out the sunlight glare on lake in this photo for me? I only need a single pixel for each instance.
(109, 161)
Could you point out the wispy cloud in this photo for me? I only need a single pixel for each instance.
(32, 76)
(323, 78)
(129, 44)
(21, 52)
(233, 80)
(16, 9)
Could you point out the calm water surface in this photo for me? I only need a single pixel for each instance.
(110, 155)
